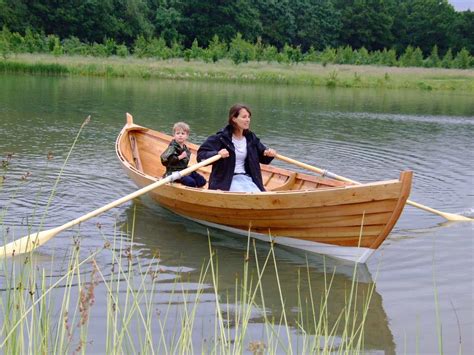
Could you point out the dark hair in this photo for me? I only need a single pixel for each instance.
(235, 110)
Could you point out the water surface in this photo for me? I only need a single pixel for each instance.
(366, 135)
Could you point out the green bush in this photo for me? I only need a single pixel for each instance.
(241, 51)
(71, 46)
(151, 47)
(328, 55)
(361, 56)
(122, 50)
(17, 43)
(292, 54)
(406, 59)
(176, 50)
(5, 47)
(433, 61)
(57, 48)
(140, 47)
(311, 55)
(110, 46)
(98, 50)
(216, 50)
(270, 53)
(390, 57)
(417, 59)
(259, 50)
(195, 51)
(447, 61)
(345, 55)
(34, 42)
(463, 59)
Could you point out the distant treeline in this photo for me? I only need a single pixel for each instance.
(238, 51)
(321, 30)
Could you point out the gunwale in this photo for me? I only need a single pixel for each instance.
(304, 211)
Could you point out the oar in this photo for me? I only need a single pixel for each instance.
(448, 216)
(34, 240)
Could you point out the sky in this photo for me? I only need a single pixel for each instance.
(461, 5)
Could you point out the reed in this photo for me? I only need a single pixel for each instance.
(51, 313)
(309, 74)
(139, 310)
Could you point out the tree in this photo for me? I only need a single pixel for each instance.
(463, 59)
(465, 32)
(167, 21)
(433, 60)
(277, 21)
(447, 61)
(202, 19)
(241, 51)
(366, 23)
(133, 19)
(317, 24)
(429, 23)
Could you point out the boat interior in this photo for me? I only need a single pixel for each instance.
(141, 148)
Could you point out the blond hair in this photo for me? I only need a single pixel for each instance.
(181, 125)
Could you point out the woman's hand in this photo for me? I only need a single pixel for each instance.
(224, 153)
(270, 153)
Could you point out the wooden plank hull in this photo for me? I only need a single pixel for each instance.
(301, 211)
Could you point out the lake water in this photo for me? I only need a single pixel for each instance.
(423, 273)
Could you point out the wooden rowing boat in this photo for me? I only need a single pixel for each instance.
(312, 213)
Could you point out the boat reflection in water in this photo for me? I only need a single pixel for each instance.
(181, 248)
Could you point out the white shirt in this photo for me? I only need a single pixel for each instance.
(240, 154)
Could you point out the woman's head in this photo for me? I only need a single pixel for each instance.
(239, 117)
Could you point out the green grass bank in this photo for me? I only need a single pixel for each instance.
(311, 74)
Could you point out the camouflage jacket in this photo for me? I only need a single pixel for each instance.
(169, 158)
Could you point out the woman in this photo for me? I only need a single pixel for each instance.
(241, 152)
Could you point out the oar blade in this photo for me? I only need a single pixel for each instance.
(34, 240)
(27, 243)
(456, 217)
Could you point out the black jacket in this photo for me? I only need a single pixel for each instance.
(223, 169)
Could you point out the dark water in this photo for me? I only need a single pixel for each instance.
(425, 267)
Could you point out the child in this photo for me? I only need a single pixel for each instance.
(176, 157)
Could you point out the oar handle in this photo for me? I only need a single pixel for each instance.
(448, 216)
(142, 191)
(324, 173)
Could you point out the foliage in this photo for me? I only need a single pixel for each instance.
(447, 59)
(429, 23)
(412, 57)
(73, 46)
(216, 50)
(238, 50)
(241, 51)
(57, 48)
(374, 25)
(5, 42)
(202, 19)
(465, 31)
(292, 54)
(328, 56)
(463, 60)
(151, 47)
(366, 23)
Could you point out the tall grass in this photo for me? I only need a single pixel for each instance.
(137, 310)
(47, 313)
(309, 74)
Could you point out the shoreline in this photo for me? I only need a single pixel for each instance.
(306, 74)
